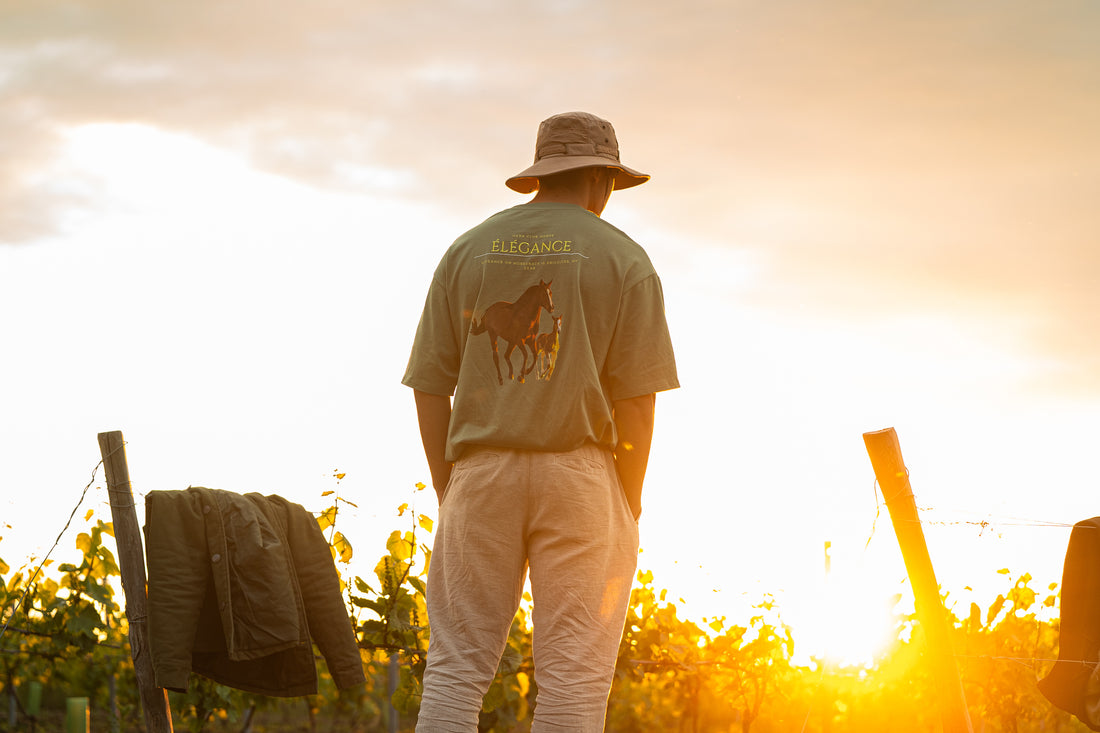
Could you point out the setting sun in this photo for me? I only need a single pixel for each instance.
(847, 622)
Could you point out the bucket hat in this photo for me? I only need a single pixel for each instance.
(575, 140)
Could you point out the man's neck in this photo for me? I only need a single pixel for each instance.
(572, 196)
(586, 197)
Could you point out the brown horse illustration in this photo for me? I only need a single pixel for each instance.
(546, 350)
(517, 323)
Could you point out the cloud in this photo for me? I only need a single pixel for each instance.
(887, 163)
(907, 156)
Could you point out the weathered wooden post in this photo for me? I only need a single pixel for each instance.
(131, 564)
(893, 478)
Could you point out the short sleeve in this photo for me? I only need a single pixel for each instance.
(435, 358)
(640, 359)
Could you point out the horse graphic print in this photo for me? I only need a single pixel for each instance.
(546, 349)
(517, 324)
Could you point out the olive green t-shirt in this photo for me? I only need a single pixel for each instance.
(537, 320)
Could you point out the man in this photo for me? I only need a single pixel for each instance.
(539, 468)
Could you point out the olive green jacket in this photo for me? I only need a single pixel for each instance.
(240, 588)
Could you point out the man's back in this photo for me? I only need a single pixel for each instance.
(502, 283)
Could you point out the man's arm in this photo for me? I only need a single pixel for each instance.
(634, 423)
(434, 414)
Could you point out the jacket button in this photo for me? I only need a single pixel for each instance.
(206, 509)
(216, 558)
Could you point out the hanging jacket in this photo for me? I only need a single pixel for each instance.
(1074, 681)
(240, 588)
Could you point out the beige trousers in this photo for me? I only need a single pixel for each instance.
(565, 516)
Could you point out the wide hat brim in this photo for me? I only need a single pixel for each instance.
(574, 140)
(527, 181)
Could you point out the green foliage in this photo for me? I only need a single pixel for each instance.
(714, 681)
(67, 631)
(395, 621)
(999, 659)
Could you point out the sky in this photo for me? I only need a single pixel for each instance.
(218, 222)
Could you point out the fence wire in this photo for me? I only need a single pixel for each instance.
(983, 524)
(37, 570)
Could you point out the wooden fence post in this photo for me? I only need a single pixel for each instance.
(131, 564)
(893, 478)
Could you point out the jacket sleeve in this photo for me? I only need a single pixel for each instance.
(175, 551)
(1067, 685)
(329, 625)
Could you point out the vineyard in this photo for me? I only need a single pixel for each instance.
(65, 635)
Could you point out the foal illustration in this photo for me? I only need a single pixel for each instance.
(517, 323)
(546, 350)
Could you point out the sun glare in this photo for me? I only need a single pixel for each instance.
(845, 621)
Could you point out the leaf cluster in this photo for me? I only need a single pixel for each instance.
(65, 629)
